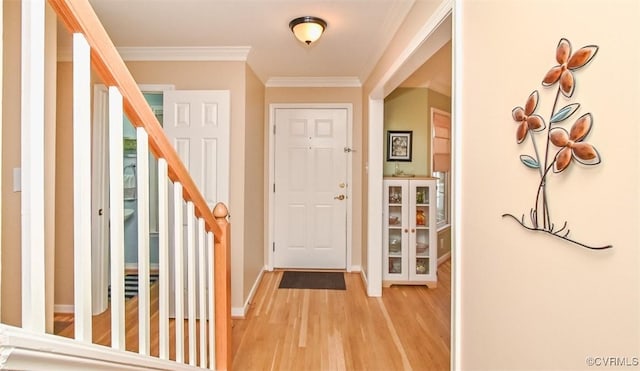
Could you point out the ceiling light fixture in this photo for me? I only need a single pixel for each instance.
(308, 29)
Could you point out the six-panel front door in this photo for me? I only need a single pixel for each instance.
(310, 188)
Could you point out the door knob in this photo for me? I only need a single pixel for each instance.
(340, 197)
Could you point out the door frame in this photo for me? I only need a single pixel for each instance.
(100, 170)
(401, 68)
(269, 247)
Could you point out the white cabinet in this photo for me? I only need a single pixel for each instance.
(410, 253)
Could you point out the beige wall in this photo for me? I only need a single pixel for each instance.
(336, 95)
(255, 185)
(64, 184)
(11, 239)
(530, 301)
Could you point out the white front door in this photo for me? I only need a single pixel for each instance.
(310, 188)
(198, 123)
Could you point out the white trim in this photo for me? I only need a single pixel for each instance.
(1, 114)
(355, 269)
(314, 82)
(23, 350)
(32, 164)
(444, 258)
(384, 86)
(457, 191)
(363, 277)
(191, 53)
(63, 308)
(271, 222)
(82, 187)
(100, 201)
(374, 169)
(170, 53)
(241, 312)
(114, 186)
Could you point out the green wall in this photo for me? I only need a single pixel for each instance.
(410, 109)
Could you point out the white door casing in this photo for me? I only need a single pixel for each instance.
(100, 195)
(311, 186)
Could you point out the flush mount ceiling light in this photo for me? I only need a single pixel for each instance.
(308, 29)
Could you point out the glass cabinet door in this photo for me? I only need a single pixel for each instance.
(420, 230)
(396, 225)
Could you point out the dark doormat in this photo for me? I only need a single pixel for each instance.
(312, 280)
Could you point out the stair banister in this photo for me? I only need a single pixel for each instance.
(78, 16)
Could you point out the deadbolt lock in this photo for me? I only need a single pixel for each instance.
(342, 185)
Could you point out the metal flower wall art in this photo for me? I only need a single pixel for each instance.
(560, 147)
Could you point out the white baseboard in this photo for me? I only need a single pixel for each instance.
(356, 268)
(444, 258)
(363, 276)
(241, 312)
(63, 308)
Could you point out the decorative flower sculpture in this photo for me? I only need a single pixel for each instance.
(526, 118)
(571, 143)
(567, 64)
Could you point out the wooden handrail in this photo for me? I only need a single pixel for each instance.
(79, 16)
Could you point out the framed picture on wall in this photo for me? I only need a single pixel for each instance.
(399, 145)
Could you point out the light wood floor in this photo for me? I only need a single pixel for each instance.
(101, 326)
(289, 329)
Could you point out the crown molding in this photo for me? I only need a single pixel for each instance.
(225, 53)
(313, 82)
(170, 53)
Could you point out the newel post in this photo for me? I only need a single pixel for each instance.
(222, 266)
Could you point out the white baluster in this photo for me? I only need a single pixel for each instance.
(82, 187)
(32, 164)
(211, 300)
(116, 217)
(178, 269)
(202, 285)
(191, 282)
(163, 259)
(142, 176)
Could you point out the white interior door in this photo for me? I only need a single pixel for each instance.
(310, 188)
(198, 124)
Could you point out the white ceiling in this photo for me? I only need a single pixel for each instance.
(357, 34)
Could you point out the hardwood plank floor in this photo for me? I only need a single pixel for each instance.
(101, 325)
(292, 329)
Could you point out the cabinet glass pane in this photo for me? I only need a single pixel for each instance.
(395, 195)
(395, 216)
(395, 265)
(422, 195)
(395, 242)
(422, 216)
(422, 243)
(422, 265)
